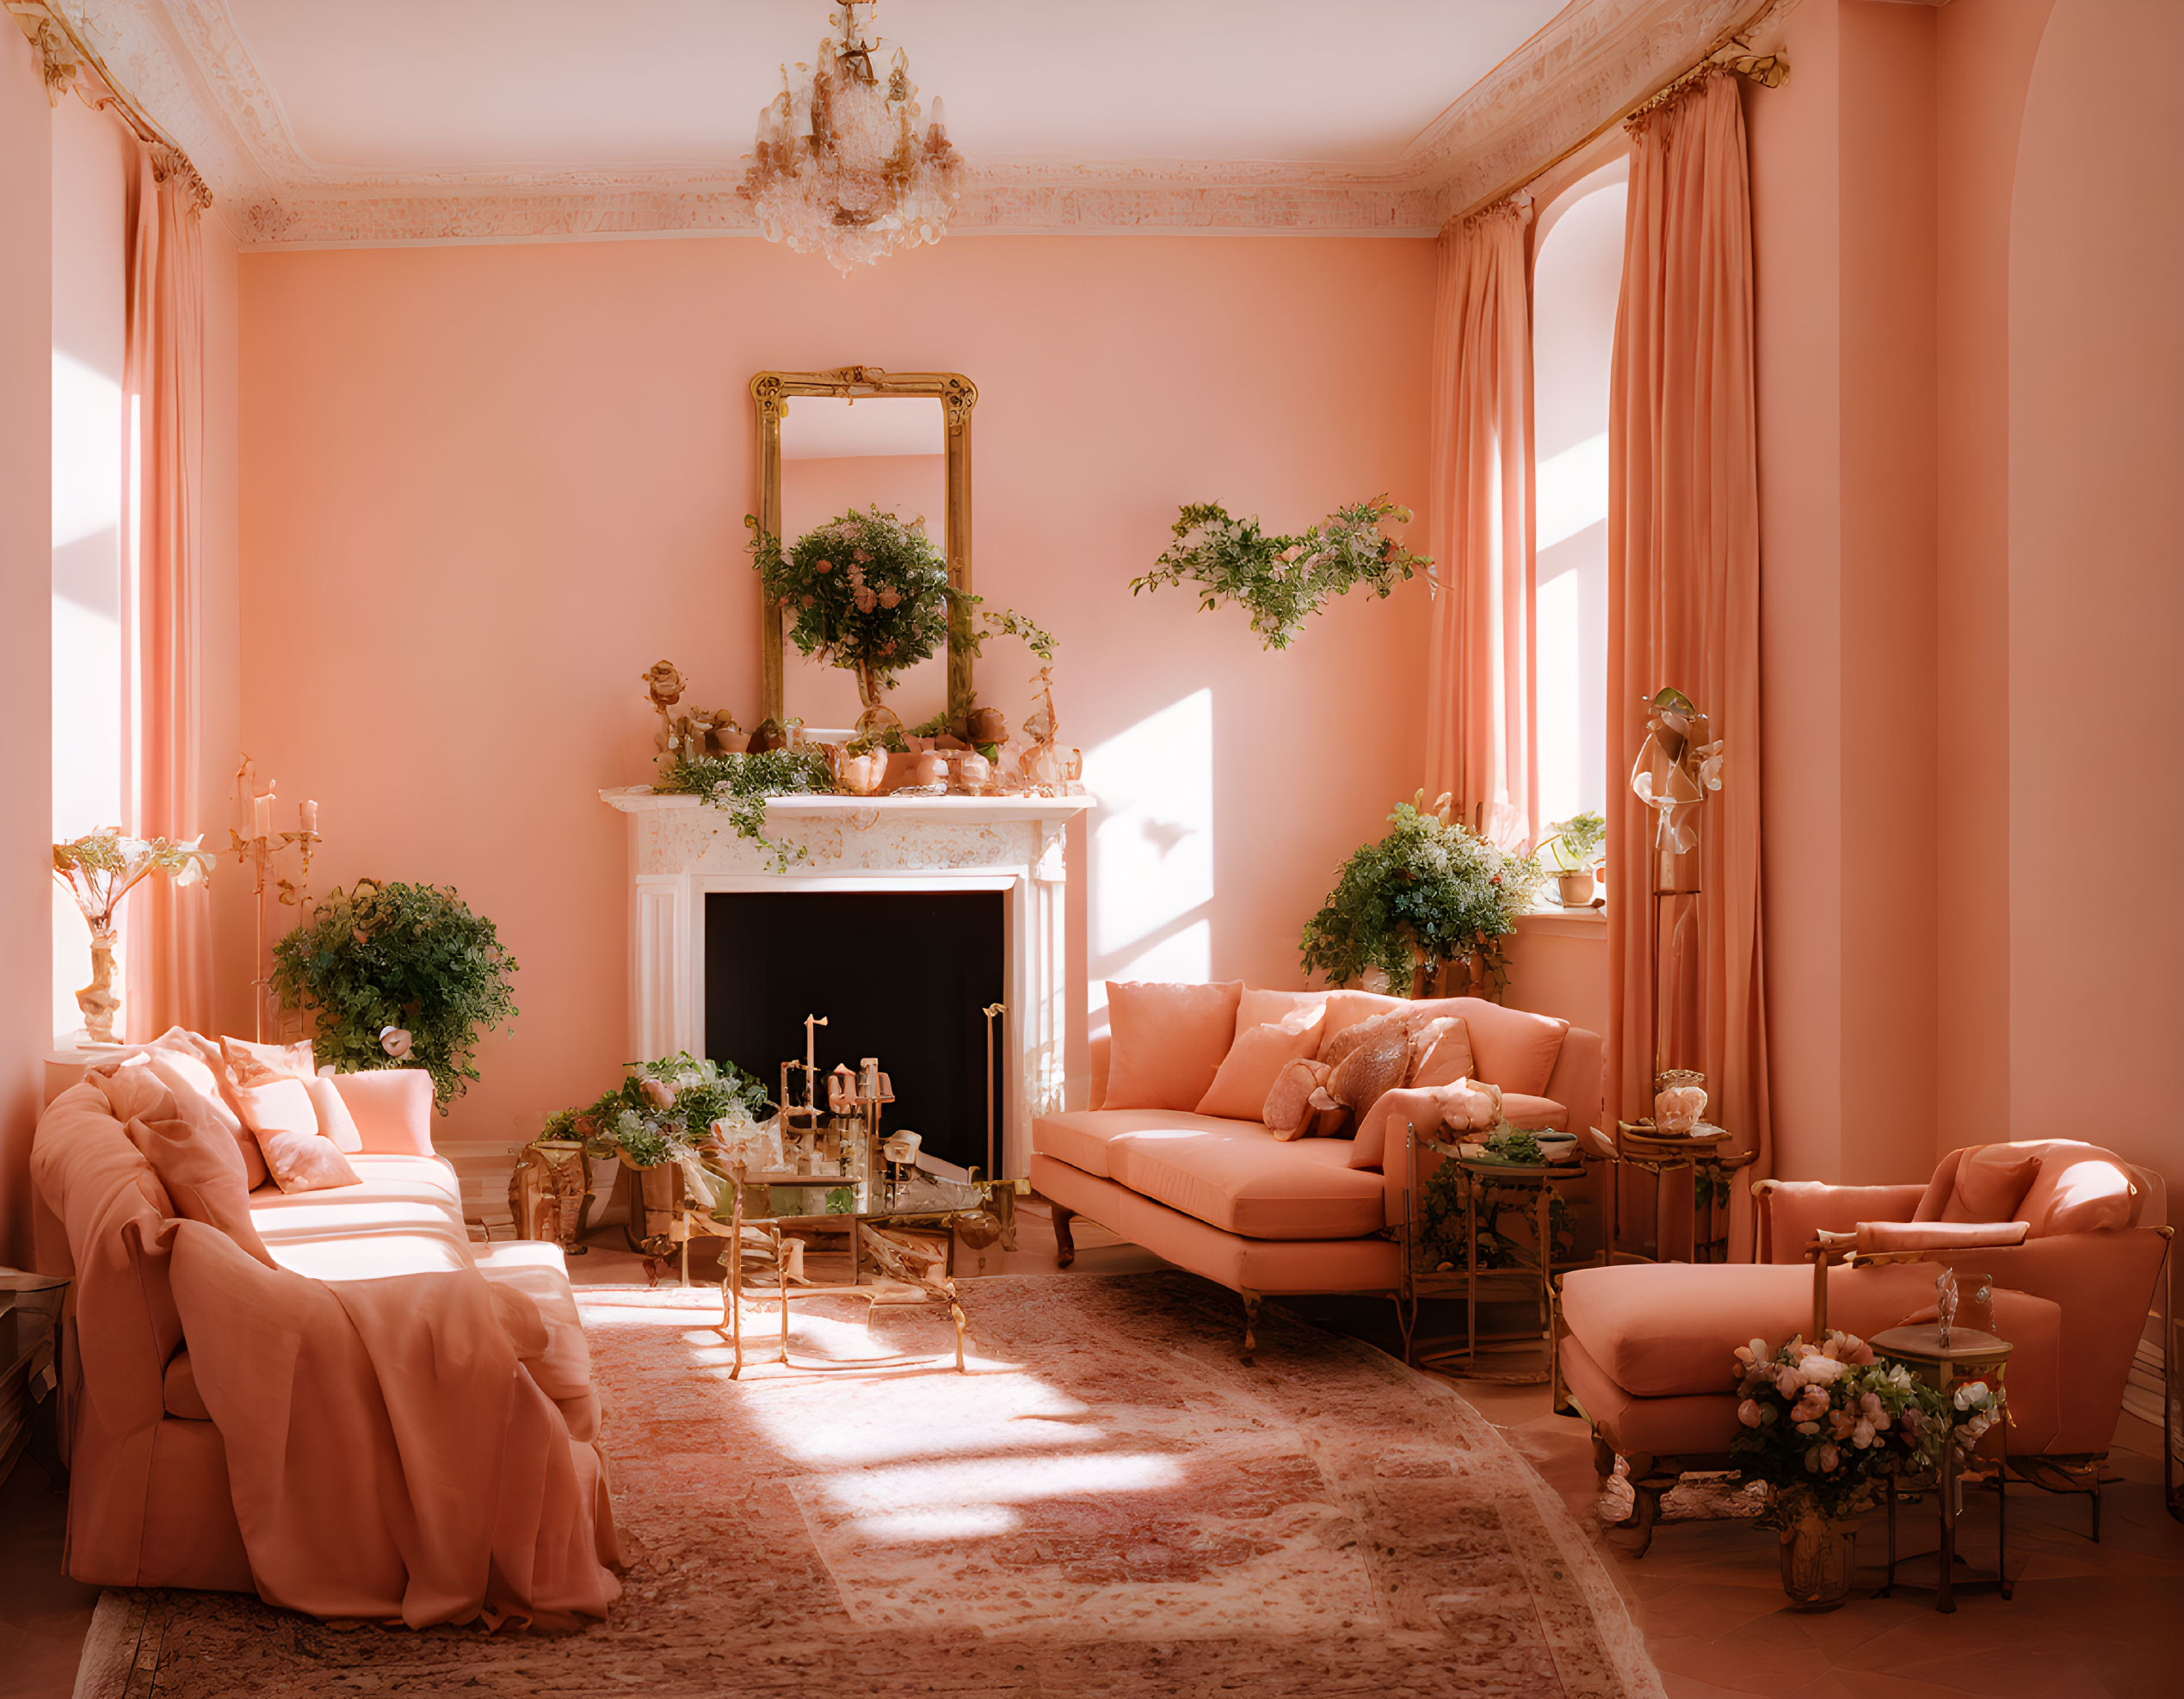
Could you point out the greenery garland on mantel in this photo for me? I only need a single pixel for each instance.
(739, 785)
(1283, 581)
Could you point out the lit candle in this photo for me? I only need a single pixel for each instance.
(262, 817)
(308, 813)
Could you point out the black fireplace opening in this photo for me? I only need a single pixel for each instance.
(902, 976)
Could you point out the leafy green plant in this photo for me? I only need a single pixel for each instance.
(411, 956)
(1281, 580)
(739, 785)
(1440, 1210)
(864, 592)
(662, 1110)
(1427, 894)
(1576, 842)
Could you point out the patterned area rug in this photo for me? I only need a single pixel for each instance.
(1110, 1504)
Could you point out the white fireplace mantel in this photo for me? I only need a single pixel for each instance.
(682, 849)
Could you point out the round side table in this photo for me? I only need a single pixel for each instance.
(1966, 1355)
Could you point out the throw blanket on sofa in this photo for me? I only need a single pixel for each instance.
(333, 1401)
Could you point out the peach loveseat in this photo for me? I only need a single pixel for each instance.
(390, 1423)
(1645, 1349)
(1226, 1198)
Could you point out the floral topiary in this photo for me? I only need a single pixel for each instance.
(411, 956)
(864, 592)
(1427, 894)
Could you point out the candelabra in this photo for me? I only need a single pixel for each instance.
(258, 852)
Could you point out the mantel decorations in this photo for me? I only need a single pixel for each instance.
(1428, 895)
(840, 166)
(98, 870)
(1283, 581)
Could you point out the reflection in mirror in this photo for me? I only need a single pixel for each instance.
(885, 451)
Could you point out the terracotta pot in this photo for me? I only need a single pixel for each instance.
(1577, 888)
(1817, 1559)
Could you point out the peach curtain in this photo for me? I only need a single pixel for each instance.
(1684, 593)
(1480, 684)
(168, 936)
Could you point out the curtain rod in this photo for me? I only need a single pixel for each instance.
(63, 53)
(1769, 70)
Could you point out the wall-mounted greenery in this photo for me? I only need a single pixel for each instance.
(1283, 581)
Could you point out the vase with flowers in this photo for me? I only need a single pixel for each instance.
(98, 870)
(1823, 1426)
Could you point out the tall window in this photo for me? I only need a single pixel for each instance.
(1578, 273)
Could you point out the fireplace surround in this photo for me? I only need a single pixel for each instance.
(681, 851)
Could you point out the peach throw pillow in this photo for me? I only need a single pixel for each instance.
(277, 1108)
(202, 1171)
(1169, 1042)
(1373, 1063)
(1288, 1112)
(191, 1068)
(1991, 1182)
(335, 1122)
(1263, 1047)
(1440, 1053)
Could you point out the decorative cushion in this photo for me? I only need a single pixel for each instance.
(1515, 1049)
(1532, 1115)
(1169, 1042)
(1440, 1053)
(191, 1067)
(1288, 1113)
(1261, 1050)
(1991, 1182)
(201, 1170)
(335, 1122)
(1373, 1064)
(2092, 1192)
(276, 1107)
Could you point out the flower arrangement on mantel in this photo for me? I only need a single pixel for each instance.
(1428, 896)
(1282, 581)
(98, 870)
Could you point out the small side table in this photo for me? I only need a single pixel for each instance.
(1967, 1356)
(31, 1307)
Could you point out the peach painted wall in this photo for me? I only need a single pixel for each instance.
(1984, 60)
(483, 488)
(25, 619)
(2096, 584)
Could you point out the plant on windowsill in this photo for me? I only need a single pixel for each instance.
(393, 974)
(1428, 896)
(1574, 848)
(1283, 581)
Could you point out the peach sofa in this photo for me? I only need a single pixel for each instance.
(367, 1429)
(1642, 1350)
(1226, 1199)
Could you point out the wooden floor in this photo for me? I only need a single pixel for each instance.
(2088, 1621)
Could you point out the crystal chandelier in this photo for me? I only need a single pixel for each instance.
(840, 168)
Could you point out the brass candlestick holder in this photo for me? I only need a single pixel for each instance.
(260, 852)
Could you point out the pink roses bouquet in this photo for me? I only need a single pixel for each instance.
(1824, 1425)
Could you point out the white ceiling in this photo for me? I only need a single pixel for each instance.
(563, 85)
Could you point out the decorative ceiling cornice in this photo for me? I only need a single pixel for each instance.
(186, 63)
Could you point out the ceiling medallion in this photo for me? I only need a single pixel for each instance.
(840, 167)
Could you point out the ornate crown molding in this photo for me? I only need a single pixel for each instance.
(186, 63)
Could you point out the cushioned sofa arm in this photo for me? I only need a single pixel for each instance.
(1789, 1213)
(393, 1107)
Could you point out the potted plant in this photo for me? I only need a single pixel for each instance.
(1574, 848)
(395, 974)
(1822, 1426)
(657, 1122)
(1428, 895)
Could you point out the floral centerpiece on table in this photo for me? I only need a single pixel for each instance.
(98, 870)
(866, 592)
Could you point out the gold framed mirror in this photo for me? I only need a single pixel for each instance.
(903, 437)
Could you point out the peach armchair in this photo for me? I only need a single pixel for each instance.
(2071, 1234)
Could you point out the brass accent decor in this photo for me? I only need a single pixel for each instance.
(772, 394)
